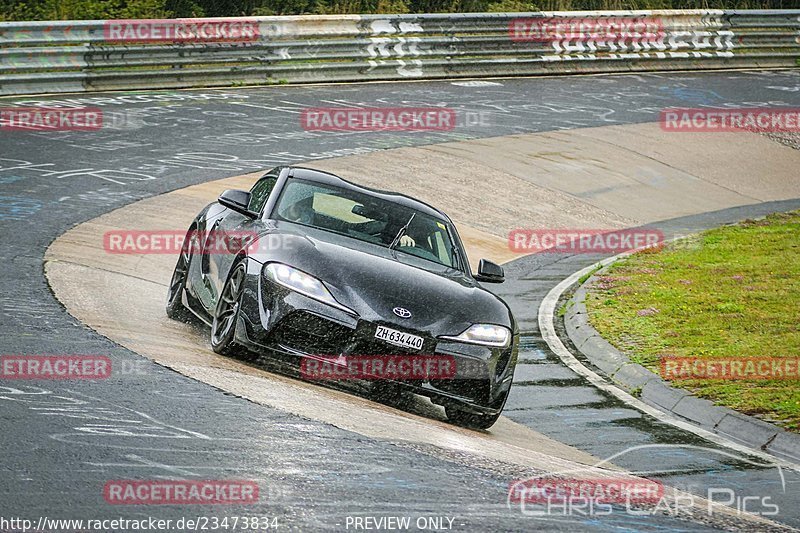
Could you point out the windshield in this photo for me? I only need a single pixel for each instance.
(367, 218)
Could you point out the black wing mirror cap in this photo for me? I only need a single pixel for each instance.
(490, 272)
(237, 201)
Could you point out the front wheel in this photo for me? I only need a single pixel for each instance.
(226, 314)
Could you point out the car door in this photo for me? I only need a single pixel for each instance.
(237, 231)
(201, 285)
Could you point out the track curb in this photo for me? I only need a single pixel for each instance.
(649, 387)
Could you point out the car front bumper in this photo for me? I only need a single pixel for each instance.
(279, 320)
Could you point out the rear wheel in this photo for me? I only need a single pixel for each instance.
(175, 308)
(226, 314)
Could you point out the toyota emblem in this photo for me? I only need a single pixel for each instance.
(402, 312)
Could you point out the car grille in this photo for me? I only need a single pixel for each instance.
(308, 333)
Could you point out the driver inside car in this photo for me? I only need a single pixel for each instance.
(407, 240)
(418, 232)
(300, 211)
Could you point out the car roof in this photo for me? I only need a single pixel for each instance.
(327, 178)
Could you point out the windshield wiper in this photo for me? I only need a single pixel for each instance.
(402, 231)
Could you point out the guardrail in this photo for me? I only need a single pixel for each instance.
(76, 56)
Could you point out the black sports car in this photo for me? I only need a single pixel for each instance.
(316, 268)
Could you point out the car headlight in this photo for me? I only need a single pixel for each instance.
(298, 281)
(485, 334)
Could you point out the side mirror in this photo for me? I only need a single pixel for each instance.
(489, 272)
(237, 201)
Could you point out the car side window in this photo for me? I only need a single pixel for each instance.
(260, 192)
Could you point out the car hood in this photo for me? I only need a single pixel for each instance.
(372, 280)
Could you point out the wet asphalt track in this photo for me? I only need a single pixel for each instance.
(60, 448)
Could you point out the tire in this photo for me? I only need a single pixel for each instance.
(469, 420)
(175, 308)
(226, 313)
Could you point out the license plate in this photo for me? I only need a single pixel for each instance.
(398, 338)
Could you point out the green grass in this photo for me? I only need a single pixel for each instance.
(588, 275)
(732, 292)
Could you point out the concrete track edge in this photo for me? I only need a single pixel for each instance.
(547, 312)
